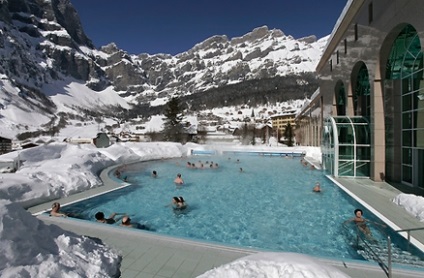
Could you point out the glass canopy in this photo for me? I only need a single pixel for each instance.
(346, 146)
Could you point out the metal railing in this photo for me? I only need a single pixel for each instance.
(409, 232)
(386, 266)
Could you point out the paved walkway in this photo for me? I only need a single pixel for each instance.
(149, 255)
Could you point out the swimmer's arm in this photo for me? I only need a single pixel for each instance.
(117, 216)
(348, 221)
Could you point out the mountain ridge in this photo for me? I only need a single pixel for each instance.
(49, 67)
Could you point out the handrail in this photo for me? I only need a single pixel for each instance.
(386, 268)
(409, 232)
(410, 229)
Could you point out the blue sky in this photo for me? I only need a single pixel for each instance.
(175, 26)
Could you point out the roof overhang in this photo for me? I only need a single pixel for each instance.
(346, 17)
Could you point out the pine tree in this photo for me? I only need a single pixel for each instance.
(173, 129)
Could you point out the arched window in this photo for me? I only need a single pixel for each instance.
(361, 95)
(405, 69)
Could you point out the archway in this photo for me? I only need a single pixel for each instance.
(361, 91)
(404, 106)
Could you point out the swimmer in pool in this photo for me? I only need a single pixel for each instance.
(100, 217)
(178, 203)
(317, 187)
(361, 222)
(56, 210)
(178, 180)
(126, 222)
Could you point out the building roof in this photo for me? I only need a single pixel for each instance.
(292, 112)
(342, 24)
(5, 138)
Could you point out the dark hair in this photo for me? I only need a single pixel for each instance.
(356, 210)
(181, 199)
(179, 175)
(176, 199)
(100, 215)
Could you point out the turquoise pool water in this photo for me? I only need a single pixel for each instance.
(269, 205)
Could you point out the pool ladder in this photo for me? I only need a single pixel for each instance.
(387, 267)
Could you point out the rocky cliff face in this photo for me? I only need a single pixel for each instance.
(43, 45)
(44, 30)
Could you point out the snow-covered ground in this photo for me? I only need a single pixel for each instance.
(29, 248)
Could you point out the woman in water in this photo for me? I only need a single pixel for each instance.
(361, 222)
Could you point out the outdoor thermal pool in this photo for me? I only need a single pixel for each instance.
(261, 202)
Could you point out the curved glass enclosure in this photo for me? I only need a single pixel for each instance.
(346, 146)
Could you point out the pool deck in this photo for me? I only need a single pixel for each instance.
(150, 255)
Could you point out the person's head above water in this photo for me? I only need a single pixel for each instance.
(317, 187)
(358, 211)
(126, 220)
(178, 199)
(100, 215)
(55, 206)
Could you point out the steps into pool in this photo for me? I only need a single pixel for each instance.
(399, 256)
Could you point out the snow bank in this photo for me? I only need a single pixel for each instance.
(413, 204)
(57, 170)
(274, 265)
(29, 248)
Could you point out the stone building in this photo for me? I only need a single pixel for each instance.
(368, 113)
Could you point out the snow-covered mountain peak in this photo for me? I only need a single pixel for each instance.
(50, 67)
